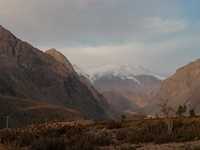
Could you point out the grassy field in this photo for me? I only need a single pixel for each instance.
(106, 135)
(23, 112)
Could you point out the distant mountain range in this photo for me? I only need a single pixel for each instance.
(124, 85)
(44, 85)
(121, 71)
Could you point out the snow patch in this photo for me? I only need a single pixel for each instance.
(124, 72)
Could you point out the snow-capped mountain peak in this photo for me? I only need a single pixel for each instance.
(124, 72)
(121, 71)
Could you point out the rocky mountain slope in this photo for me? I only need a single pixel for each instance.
(120, 104)
(183, 87)
(83, 79)
(28, 73)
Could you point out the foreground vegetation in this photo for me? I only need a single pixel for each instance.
(88, 135)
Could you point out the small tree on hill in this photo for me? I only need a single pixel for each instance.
(192, 113)
(123, 118)
(181, 110)
(165, 109)
(184, 109)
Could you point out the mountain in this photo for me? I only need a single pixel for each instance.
(135, 84)
(119, 103)
(28, 73)
(125, 88)
(183, 87)
(83, 79)
(121, 71)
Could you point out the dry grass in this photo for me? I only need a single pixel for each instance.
(94, 136)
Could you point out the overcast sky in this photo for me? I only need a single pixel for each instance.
(159, 34)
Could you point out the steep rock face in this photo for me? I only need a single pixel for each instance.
(60, 58)
(99, 97)
(183, 87)
(27, 72)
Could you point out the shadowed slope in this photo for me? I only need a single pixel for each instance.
(26, 72)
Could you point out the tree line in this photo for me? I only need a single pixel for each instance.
(182, 110)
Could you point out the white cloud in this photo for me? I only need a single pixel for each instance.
(79, 22)
(162, 56)
(96, 32)
(159, 25)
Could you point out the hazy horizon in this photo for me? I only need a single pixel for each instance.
(159, 35)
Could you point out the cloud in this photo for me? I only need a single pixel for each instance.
(159, 25)
(80, 22)
(163, 56)
(95, 32)
(136, 53)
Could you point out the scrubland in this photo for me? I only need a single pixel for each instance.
(143, 134)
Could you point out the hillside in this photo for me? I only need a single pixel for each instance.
(28, 73)
(134, 85)
(119, 103)
(144, 134)
(183, 87)
(22, 112)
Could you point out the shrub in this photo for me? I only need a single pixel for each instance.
(49, 144)
(114, 125)
(192, 113)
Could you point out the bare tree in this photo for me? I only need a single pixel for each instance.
(167, 111)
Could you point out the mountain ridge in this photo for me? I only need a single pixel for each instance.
(186, 81)
(121, 71)
(119, 83)
(27, 72)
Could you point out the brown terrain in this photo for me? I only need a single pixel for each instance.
(22, 112)
(135, 96)
(42, 91)
(183, 87)
(30, 74)
(99, 97)
(143, 134)
(120, 104)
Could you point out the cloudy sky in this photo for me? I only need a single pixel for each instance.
(159, 34)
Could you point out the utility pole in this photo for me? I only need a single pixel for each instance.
(7, 122)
